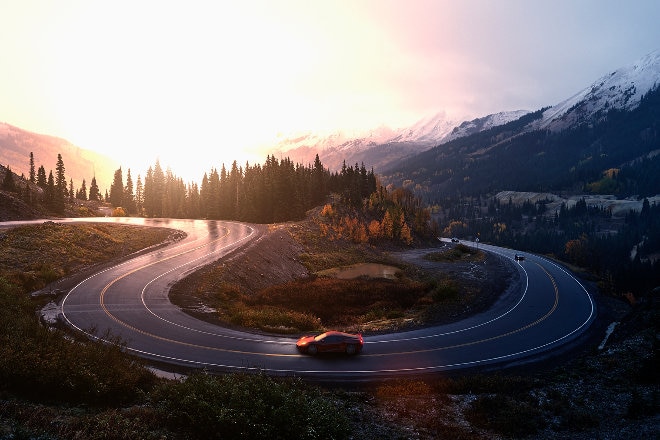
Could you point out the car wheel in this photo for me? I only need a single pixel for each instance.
(312, 349)
(350, 349)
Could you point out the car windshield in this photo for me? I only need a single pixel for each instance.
(320, 337)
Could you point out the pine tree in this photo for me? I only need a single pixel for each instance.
(117, 189)
(33, 178)
(82, 192)
(50, 191)
(42, 181)
(213, 203)
(61, 191)
(319, 185)
(158, 190)
(129, 198)
(94, 194)
(139, 196)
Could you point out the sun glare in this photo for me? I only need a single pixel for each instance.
(191, 89)
(207, 83)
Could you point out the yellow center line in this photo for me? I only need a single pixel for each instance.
(188, 344)
(143, 332)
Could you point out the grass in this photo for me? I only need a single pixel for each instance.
(321, 303)
(36, 255)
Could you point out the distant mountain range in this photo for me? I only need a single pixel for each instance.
(604, 139)
(385, 148)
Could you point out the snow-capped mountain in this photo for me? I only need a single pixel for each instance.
(480, 124)
(383, 147)
(430, 131)
(621, 89)
(574, 144)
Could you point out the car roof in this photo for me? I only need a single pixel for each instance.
(335, 332)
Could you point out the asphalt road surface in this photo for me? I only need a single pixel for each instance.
(548, 309)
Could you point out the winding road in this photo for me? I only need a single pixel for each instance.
(545, 311)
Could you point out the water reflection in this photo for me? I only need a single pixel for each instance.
(370, 270)
(212, 226)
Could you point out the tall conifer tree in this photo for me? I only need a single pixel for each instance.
(33, 178)
(94, 193)
(61, 191)
(117, 189)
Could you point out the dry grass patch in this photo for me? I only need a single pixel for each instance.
(35, 255)
(320, 303)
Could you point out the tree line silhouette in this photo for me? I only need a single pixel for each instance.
(276, 191)
(49, 192)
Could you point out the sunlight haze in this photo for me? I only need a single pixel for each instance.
(196, 84)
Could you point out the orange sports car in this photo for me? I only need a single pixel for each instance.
(331, 342)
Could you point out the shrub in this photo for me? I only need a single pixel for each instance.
(445, 291)
(118, 212)
(506, 415)
(252, 406)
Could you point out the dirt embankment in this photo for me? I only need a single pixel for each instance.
(272, 259)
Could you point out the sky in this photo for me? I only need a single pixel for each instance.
(196, 84)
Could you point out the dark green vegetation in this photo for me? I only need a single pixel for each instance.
(620, 252)
(276, 191)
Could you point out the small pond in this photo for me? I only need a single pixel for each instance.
(371, 270)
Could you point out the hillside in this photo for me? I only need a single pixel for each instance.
(514, 157)
(17, 144)
(604, 139)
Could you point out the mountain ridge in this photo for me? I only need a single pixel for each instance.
(621, 89)
(602, 138)
(384, 147)
(16, 144)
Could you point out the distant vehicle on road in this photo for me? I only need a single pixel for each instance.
(454, 240)
(518, 257)
(331, 342)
